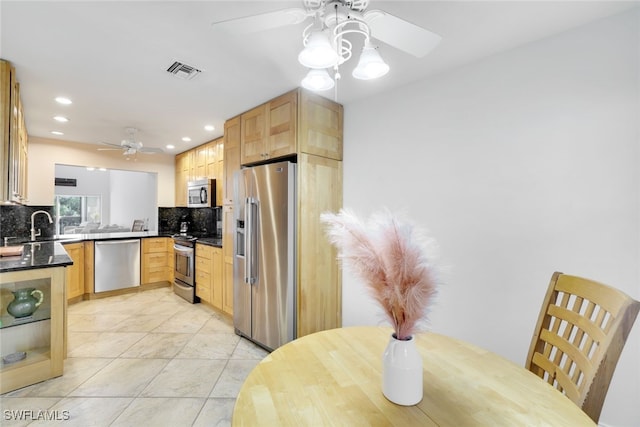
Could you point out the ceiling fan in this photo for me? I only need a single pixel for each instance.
(325, 43)
(130, 146)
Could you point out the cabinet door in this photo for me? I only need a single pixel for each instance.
(231, 156)
(227, 295)
(89, 267)
(320, 130)
(282, 124)
(75, 272)
(154, 244)
(227, 258)
(217, 286)
(219, 177)
(200, 155)
(319, 280)
(212, 159)
(203, 267)
(182, 177)
(253, 135)
(6, 72)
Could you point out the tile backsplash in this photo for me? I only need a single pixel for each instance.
(202, 221)
(15, 221)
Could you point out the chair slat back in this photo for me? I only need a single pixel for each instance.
(582, 328)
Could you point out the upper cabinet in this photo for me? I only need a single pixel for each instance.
(296, 122)
(204, 161)
(269, 130)
(182, 177)
(321, 124)
(231, 156)
(14, 138)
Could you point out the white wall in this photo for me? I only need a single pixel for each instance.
(45, 153)
(520, 165)
(130, 198)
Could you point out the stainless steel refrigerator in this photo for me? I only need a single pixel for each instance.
(264, 265)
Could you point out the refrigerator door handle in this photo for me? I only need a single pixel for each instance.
(249, 277)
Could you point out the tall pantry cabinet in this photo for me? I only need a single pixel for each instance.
(305, 128)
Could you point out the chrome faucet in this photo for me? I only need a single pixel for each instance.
(33, 230)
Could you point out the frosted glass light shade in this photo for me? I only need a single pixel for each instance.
(318, 53)
(371, 65)
(317, 80)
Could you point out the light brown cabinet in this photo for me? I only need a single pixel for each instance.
(227, 259)
(204, 161)
(75, 272)
(13, 138)
(306, 128)
(231, 156)
(155, 263)
(269, 131)
(319, 279)
(209, 285)
(182, 177)
(43, 338)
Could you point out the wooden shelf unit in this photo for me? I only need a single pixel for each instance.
(43, 340)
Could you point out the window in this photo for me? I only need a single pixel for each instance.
(76, 211)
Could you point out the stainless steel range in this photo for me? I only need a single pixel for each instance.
(185, 276)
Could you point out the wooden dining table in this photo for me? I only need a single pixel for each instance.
(334, 378)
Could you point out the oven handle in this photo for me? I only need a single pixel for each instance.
(184, 249)
(181, 286)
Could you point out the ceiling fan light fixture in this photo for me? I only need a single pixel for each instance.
(318, 80)
(371, 65)
(318, 52)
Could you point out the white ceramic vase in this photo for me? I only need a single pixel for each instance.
(402, 372)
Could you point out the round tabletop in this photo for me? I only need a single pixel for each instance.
(334, 377)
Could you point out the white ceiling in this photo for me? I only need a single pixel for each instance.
(110, 58)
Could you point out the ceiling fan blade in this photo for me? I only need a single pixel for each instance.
(151, 150)
(261, 22)
(109, 149)
(108, 143)
(401, 34)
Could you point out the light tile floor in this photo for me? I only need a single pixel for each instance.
(143, 359)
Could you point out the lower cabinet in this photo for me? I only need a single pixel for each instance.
(155, 262)
(209, 277)
(227, 258)
(75, 272)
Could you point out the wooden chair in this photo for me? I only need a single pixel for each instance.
(581, 330)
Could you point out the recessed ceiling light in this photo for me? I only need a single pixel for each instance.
(186, 139)
(209, 128)
(60, 119)
(170, 147)
(57, 132)
(91, 168)
(62, 100)
(102, 169)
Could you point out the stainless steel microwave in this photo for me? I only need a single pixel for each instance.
(201, 193)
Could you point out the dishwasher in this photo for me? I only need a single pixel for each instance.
(117, 264)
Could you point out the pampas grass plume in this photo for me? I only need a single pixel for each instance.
(390, 255)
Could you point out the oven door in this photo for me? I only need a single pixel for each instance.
(184, 264)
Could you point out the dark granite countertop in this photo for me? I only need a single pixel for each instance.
(37, 255)
(71, 238)
(210, 241)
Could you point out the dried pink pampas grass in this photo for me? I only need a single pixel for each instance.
(390, 256)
